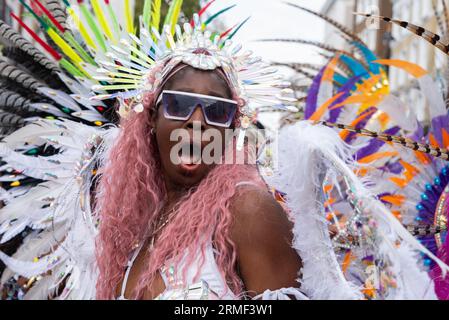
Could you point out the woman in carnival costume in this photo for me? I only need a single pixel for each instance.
(110, 212)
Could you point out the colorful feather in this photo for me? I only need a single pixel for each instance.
(173, 14)
(156, 14)
(60, 42)
(430, 37)
(438, 16)
(216, 15)
(406, 142)
(238, 28)
(446, 15)
(15, 39)
(339, 26)
(146, 15)
(65, 33)
(113, 17)
(47, 47)
(50, 16)
(76, 20)
(102, 20)
(93, 26)
(129, 17)
(204, 9)
(225, 33)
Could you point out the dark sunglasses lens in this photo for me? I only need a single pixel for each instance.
(220, 112)
(178, 106)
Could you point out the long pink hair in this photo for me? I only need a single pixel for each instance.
(130, 195)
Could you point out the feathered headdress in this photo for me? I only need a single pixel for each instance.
(123, 63)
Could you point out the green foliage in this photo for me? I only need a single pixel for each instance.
(189, 7)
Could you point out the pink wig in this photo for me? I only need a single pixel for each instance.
(131, 193)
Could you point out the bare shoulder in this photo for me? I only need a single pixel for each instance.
(258, 216)
(251, 197)
(262, 234)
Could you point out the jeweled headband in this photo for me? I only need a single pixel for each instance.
(138, 65)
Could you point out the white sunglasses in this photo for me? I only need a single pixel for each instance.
(179, 105)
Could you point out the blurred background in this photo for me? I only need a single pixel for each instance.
(272, 19)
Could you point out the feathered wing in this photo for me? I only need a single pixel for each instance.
(410, 182)
(58, 256)
(414, 185)
(313, 163)
(60, 207)
(52, 136)
(299, 174)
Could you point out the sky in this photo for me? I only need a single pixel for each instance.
(273, 18)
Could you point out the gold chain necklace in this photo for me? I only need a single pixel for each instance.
(161, 227)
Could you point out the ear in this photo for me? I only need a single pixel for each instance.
(153, 118)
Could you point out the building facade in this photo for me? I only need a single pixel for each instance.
(375, 34)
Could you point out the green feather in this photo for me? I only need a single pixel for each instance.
(175, 16)
(147, 12)
(173, 13)
(212, 18)
(156, 14)
(71, 68)
(238, 28)
(93, 26)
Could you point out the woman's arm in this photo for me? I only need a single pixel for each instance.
(263, 236)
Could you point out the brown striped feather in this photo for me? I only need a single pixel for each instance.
(405, 142)
(336, 24)
(427, 35)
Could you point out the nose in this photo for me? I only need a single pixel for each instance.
(198, 117)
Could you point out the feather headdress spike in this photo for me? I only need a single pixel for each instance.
(336, 24)
(57, 10)
(14, 39)
(405, 142)
(62, 61)
(445, 15)
(430, 37)
(441, 25)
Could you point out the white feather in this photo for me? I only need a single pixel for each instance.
(308, 154)
(299, 174)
